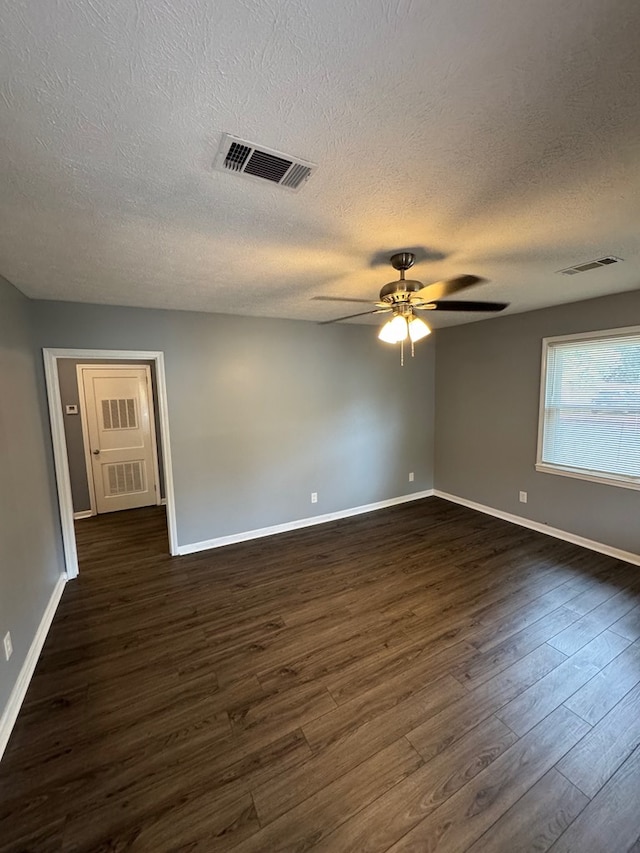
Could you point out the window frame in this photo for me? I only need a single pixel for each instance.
(625, 482)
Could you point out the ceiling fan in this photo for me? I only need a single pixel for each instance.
(402, 298)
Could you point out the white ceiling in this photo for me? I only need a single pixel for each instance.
(500, 135)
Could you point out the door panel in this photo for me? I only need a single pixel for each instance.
(121, 439)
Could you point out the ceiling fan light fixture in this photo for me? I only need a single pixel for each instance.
(400, 327)
(418, 329)
(404, 297)
(387, 334)
(394, 330)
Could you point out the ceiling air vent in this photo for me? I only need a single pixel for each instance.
(591, 265)
(236, 155)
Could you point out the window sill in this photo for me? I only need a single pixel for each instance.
(624, 482)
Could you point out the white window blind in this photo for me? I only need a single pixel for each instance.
(591, 408)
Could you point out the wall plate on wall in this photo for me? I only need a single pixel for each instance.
(71, 409)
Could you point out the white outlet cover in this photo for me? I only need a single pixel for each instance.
(8, 645)
(411, 476)
(523, 497)
(314, 497)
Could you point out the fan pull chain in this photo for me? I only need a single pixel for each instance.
(401, 353)
(412, 352)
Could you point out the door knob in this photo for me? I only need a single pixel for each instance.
(96, 452)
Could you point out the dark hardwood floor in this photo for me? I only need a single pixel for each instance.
(423, 678)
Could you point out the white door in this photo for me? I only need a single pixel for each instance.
(121, 436)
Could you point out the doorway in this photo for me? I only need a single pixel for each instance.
(119, 401)
(118, 435)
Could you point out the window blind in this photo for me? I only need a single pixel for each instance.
(591, 418)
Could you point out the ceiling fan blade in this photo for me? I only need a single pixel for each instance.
(431, 292)
(351, 316)
(454, 305)
(340, 299)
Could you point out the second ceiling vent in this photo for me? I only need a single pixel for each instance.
(591, 265)
(253, 161)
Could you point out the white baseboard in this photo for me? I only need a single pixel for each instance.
(10, 713)
(600, 547)
(221, 541)
(85, 513)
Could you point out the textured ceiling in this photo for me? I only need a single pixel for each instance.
(502, 136)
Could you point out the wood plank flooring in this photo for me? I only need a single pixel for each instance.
(423, 678)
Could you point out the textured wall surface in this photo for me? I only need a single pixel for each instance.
(502, 135)
(487, 396)
(263, 412)
(30, 546)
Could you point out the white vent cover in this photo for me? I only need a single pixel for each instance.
(258, 162)
(124, 478)
(591, 265)
(119, 414)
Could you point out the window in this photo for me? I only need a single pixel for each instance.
(590, 407)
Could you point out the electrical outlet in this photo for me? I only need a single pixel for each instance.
(314, 497)
(8, 645)
(411, 476)
(523, 497)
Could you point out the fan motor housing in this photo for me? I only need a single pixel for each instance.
(399, 291)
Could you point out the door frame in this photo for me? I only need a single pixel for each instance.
(61, 461)
(85, 427)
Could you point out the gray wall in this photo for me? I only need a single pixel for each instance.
(263, 412)
(487, 393)
(69, 395)
(30, 545)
